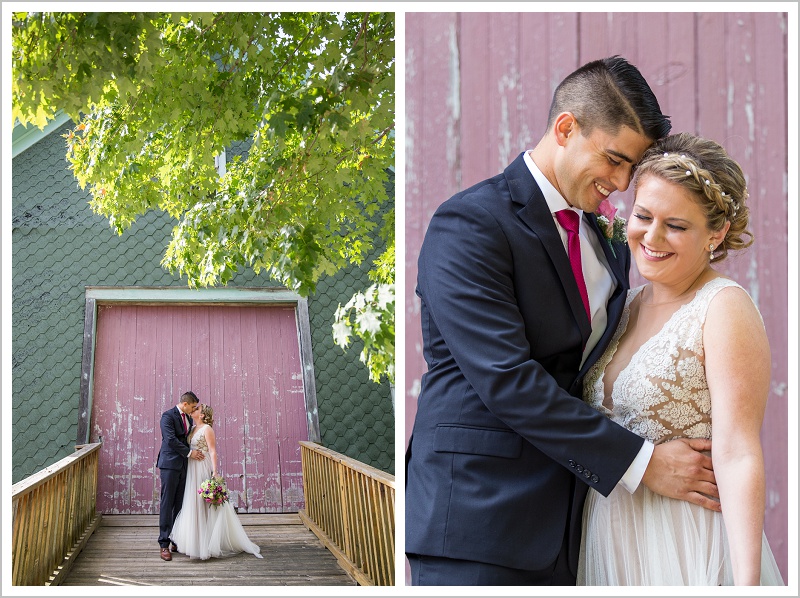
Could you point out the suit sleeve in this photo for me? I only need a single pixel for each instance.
(466, 279)
(169, 433)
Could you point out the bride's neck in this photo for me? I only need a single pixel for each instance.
(661, 294)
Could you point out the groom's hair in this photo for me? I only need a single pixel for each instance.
(608, 94)
(189, 397)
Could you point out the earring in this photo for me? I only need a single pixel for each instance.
(711, 249)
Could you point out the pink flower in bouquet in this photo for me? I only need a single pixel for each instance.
(214, 491)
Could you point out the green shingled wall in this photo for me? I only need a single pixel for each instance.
(59, 247)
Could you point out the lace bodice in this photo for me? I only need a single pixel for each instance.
(198, 440)
(662, 393)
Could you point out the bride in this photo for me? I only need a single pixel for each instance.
(202, 530)
(690, 343)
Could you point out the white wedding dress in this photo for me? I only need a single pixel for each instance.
(661, 393)
(201, 530)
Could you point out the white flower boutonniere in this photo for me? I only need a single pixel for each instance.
(613, 226)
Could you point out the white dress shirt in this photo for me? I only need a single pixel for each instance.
(600, 285)
(183, 415)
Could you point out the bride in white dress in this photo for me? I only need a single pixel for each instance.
(691, 342)
(202, 530)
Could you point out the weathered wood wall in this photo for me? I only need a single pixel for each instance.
(478, 89)
(244, 361)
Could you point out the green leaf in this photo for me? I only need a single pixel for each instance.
(157, 95)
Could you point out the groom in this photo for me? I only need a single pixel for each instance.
(176, 423)
(514, 308)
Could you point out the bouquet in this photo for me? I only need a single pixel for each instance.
(214, 491)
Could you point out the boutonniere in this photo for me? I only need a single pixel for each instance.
(611, 225)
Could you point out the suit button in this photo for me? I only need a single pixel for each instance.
(595, 479)
(579, 468)
(571, 463)
(587, 474)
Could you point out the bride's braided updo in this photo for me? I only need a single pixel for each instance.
(208, 415)
(716, 180)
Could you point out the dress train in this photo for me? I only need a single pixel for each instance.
(202, 531)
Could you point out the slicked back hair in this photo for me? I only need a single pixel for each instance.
(607, 94)
(189, 397)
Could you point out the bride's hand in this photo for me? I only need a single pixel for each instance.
(680, 469)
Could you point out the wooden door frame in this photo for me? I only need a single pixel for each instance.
(96, 296)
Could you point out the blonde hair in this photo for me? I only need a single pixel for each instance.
(714, 178)
(208, 414)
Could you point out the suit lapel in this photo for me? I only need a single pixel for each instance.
(612, 256)
(618, 262)
(180, 422)
(536, 215)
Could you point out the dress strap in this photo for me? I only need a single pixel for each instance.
(709, 290)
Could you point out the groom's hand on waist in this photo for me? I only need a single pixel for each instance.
(197, 455)
(681, 469)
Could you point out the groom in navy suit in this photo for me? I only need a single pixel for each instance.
(176, 423)
(503, 449)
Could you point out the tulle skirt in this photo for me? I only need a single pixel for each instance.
(645, 539)
(203, 531)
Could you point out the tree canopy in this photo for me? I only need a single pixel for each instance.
(158, 97)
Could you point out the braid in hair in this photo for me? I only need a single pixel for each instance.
(716, 180)
(208, 414)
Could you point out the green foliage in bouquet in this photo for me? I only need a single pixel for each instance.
(214, 491)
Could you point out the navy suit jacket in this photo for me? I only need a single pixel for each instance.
(174, 443)
(500, 435)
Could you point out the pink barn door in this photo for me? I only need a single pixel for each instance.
(244, 361)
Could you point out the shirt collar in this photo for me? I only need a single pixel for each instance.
(555, 201)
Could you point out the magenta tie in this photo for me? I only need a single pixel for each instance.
(571, 221)
(185, 425)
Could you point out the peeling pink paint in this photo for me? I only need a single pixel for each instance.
(244, 361)
(473, 102)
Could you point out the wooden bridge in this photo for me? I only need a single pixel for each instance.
(344, 536)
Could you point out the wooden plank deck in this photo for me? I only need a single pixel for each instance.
(123, 552)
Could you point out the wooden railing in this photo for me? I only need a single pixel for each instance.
(350, 507)
(53, 514)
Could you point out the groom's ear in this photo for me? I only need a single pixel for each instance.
(564, 126)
